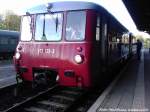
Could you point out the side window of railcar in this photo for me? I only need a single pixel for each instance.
(75, 28)
(48, 27)
(26, 34)
(98, 28)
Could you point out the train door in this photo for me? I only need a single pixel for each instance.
(100, 51)
(96, 52)
(104, 40)
(97, 42)
(73, 45)
(131, 44)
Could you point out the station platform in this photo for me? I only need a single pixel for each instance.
(130, 91)
(7, 73)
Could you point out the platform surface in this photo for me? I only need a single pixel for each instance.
(7, 73)
(130, 92)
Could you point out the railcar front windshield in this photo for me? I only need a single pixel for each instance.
(75, 28)
(48, 27)
(26, 33)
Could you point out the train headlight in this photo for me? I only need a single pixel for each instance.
(17, 55)
(78, 59)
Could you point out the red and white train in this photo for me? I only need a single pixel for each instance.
(74, 43)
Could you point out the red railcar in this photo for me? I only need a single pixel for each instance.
(73, 43)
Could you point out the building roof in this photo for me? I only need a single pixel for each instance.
(140, 12)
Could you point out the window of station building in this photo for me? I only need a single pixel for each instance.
(26, 33)
(98, 28)
(75, 28)
(48, 27)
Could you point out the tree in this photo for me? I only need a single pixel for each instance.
(11, 21)
(1, 18)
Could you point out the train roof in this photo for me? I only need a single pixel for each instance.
(63, 6)
(9, 33)
(69, 6)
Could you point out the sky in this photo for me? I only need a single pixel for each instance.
(17, 5)
(116, 7)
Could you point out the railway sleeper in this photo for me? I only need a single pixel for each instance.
(63, 97)
(47, 106)
(55, 104)
(51, 105)
(71, 92)
(35, 109)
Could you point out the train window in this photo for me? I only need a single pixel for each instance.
(98, 29)
(26, 33)
(105, 30)
(75, 29)
(12, 41)
(48, 27)
(39, 27)
(4, 41)
(114, 39)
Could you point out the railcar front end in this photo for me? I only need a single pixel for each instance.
(72, 43)
(56, 47)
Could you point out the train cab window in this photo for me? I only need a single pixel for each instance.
(48, 27)
(39, 27)
(26, 33)
(75, 28)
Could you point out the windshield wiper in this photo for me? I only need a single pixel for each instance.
(43, 35)
(56, 22)
(55, 19)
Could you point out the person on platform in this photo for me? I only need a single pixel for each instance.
(139, 47)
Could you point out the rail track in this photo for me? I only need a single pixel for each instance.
(58, 99)
(6, 96)
(54, 99)
(9, 97)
